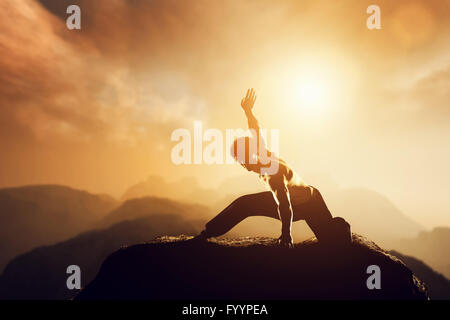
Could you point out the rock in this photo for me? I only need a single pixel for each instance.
(250, 268)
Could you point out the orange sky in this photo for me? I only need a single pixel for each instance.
(94, 109)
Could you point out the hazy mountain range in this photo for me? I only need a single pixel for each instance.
(55, 222)
(432, 247)
(32, 216)
(141, 207)
(41, 273)
(438, 286)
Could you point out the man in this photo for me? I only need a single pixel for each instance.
(288, 200)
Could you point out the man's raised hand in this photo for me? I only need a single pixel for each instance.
(249, 100)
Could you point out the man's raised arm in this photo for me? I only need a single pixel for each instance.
(247, 104)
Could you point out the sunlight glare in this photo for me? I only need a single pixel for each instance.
(310, 92)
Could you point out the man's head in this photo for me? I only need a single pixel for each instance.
(245, 151)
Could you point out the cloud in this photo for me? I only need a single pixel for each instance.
(433, 91)
(58, 83)
(135, 63)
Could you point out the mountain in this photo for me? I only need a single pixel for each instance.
(371, 214)
(430, 246)
(141, 207)
(185, 189)
(250, 268)
(438, 286)
(41, 273)
(33, 216)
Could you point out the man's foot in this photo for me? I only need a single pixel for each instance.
(199, 238)
(286, 241)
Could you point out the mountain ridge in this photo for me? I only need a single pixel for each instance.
(35, 215)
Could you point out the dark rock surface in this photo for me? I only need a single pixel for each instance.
(250, 268)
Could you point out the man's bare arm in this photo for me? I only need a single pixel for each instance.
(247, 104)
(285, 213)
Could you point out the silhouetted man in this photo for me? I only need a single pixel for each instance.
(290, 198)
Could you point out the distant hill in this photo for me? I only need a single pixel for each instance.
(32, 216)
(185, 189)
(438, 286)
(41, 273)
(250, 268)
(432, 247)
(141, 207)
(372, 214)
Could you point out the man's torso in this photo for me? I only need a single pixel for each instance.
(285, 177)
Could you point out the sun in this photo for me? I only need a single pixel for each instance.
(310, 93)
(315, 89)
(310, 89)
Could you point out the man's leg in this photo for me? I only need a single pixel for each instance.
(257, 204)
(316, 214)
